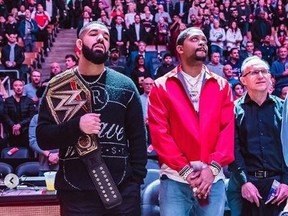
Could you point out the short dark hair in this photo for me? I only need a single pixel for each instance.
(18, 80)
(72, 57)
(184, 34)
(234, 48)
(86, 26)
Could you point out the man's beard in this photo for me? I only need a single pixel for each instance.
(96, 57)
(200, 58)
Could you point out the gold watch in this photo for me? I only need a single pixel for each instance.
(214, 170)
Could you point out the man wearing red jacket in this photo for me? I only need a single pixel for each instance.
(192, 129)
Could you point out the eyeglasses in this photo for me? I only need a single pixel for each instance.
(257, 72)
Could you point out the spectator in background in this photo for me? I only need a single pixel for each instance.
(175, 29)
(119, 35)
(48, 159)
(92, 4)
(55, 69)
(235, 62)
(261, 7)
(192, 21)
(74, 12)
(217, 38)
(28, 27)
(233, 36)
(3, 9)
(148, 23)
(153, 6)
(194, 9)
(281, 15)
(18, 111)
(31, 88)
(147, 86)
(42, 18)
(162, 32)
(238, 90)
(22, 12)
(129, 16)
(139, 73)
(248, 52)
(226, 9)
(136, 33)
(258, 53)
(12, 56)
(3, 38)
(244, 12)
(51, 8)
(141, 50)
(280, 35)
(229, 76)
(224, 23)
(169, 8)
(268, 50)
(181, 9)
(70, 61)
(116, 62)
(279, 69)
(86, 18)
(284, 92)
(104, 18)
(11, 25)
(161, 13)
(260, 28)
(215, 66)
(167, 65)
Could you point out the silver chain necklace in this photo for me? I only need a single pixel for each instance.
(193, 88)
(91, 83)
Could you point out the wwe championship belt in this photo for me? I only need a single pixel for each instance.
(68, 97)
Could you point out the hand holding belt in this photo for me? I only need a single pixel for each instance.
(68, 97)
(98, 171)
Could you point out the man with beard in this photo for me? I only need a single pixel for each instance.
(30, 89)
(116, 62)
(191, 131)
(93, 114)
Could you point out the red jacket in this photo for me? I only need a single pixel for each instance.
(178, 134)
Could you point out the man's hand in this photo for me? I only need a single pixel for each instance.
(53, 158)
(204, 182)
(16, 129)
(281, 194)
(285, 72)
(192, 177)
(251, 193)
(90, 123)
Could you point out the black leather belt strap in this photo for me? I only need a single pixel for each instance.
(263, 174)
(102, 179)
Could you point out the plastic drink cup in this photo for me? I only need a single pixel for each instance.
(50, 180)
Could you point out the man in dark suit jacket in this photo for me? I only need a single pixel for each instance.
(12, 55)
(141, 50)
(181, 9)
(137, 33)
(248, 52)
(168, 7)
(116, 39)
